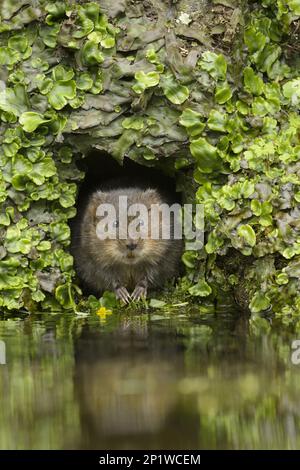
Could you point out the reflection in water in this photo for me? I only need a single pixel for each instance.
(173, 380)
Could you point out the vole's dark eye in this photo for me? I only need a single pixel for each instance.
(115, 223)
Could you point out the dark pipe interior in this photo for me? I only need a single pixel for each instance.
(102, 171)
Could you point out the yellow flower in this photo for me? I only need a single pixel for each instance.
(102, 313)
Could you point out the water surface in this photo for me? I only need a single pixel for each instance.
(164, 379)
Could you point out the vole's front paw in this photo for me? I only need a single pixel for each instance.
(123, 294)
(139, 292)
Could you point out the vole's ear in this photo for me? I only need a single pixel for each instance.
(100, 195)
(151, 196)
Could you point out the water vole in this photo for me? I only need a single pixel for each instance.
(125, 264)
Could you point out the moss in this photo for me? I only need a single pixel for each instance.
(212, 92)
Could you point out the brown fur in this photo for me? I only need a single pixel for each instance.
(108, 264)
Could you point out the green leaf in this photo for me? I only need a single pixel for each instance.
(189, 259)
(49, 34)
(247, 233)
(18, 42)
(148, 154)
(213, 243)
(9, 57)
(30, 121)
(122, 145)
(91, 54)
(155, 303)
(108, 42)
(259, 302)
(282, 279)
(133, 122)
(55, 10)
(291, 90)
(254, 40)
(256, 207)
(14, 100)
(294, 5)
(41, 170)
(16, 242)
(21, 165)
(84, 82)
(60, 73)
(217, 121)
(206, 155)
(174, 91)
(223, 93)
(45, 245)
(242, 107)
(201, 289)
(64, 295)
(253, 83)
(59, 231)
(61, 92)
(214, 64)
(85, 24)
(191, 120)
(145, 80)
(108, 300)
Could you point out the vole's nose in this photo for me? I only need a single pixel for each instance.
(131, 245)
